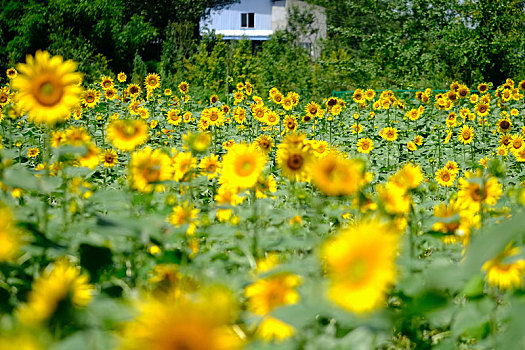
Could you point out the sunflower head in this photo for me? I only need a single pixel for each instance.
(152, 81)
(48, 87)
(242, 165)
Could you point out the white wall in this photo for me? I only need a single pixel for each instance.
(229, 18)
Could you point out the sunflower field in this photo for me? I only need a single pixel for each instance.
(136, 216)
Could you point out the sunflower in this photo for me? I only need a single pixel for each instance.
(214, 99)
(516, 143)
(91, 158)
(9, 237)
(504, 125)
(148, 168)
(152, 81)
(33, 152)
(482, 109)
(394, 198)
(109, 158)
(238, 97)
(121, 77)
(73, 136)
(312, 109)
(187, 117)
(90, 98)
(133, 90)
(47, 87)
(445, 177)
(287, 103)
(228, 195)
(389, 134)
(11, 73)
(338, 176)
(110, 94)
(173, 117)
(239, 115)
(183, 163)
(4, 96)
(508, 274)
(272, 329)
(213, 115)
(264, 143)
(418, 140)
(359, 96)
(463, 91)
(127, 134)
(408, 177)
(60, 285)
(411, 146)
(290, 124)
(265, 185)
(451, 120)
(412, 114)
(452, 96)
(272, 118)
(483, 88)
(184, 87)
(360, 265)
(277, 98)
(473, 192)
(271, 292)
(504, 140)
(178, 320)
(185, 214)
(106, 82)
(452, 166)
(456, 223)
(210, 166)
(197, 142)
(319, 148)
(242, 165)
(294, 159)
(466, 134)
(365, 145)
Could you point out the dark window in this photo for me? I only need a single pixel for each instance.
(248, 20)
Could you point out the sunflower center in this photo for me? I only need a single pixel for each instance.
(358, 270)
(466, 135)
(295, 161)
(129, 130)
(49, 92)
(504, 124)
(476, 194)
(3, 98)
(445, 177)
(245, 167)
(517, 144)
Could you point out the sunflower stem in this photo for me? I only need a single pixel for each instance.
(255, 233)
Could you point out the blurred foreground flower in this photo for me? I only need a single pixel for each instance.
(181, 321)
(360, 265)
(503, 271)
(48, 88)
(60, 287)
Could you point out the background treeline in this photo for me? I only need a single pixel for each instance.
(371, 43)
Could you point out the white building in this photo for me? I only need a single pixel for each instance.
(258, 19)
